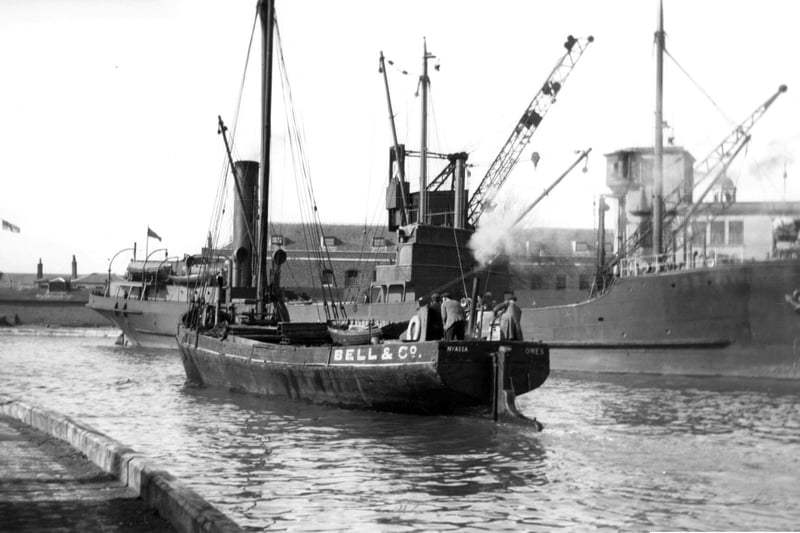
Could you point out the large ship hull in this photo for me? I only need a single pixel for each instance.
(429, 377)
(729, 320)
(145, 323)
(732, 320)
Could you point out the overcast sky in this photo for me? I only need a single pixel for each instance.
(109, 107)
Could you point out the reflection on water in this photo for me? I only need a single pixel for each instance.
(618, 452)
(702, 406)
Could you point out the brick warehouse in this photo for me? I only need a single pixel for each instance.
(549, 265)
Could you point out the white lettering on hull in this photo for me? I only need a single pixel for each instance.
(378, 354)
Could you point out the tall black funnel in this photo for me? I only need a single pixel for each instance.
(244, 224)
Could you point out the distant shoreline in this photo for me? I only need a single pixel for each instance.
(24, 311)
(59, 331)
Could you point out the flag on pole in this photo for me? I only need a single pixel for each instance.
(153, 234)
(10, 227)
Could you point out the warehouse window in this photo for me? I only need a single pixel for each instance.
(735, 232)
(717, 232)
(351, 278)
(699, 234)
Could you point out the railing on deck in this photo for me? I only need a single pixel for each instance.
(643, 265)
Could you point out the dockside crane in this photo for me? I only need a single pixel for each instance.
(684, 204)
(713, 168)
(484, 195)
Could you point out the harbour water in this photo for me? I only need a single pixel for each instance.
(617, 453)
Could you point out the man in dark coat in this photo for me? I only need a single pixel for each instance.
(434, 329)
(452, 319)
(510, 328)
(436, 303)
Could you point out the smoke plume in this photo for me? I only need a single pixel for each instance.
(494, 235)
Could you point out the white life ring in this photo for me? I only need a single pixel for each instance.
(710, 262)
(412, 333)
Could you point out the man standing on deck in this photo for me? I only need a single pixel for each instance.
(452, 318)
(435, 329)
(436, 302)
(510, 328)
(427, 320)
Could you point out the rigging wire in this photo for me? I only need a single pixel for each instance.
(221, 196)
(367, 233)
(298, 163)
(455, 236)
(703, 91)
(368, 254)
(307, 201)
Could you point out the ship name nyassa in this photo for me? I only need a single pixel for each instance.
(377, 354)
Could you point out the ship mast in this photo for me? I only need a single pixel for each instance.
(423, 157)
(266, 11)
(400, 165)
(658, 149)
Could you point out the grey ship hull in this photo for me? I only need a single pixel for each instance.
(732, 320)
(145, 323)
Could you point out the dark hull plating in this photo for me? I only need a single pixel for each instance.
(732, 320)
(433, 377)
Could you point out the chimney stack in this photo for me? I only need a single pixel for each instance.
(244, 221)
(39, 270)
(74, 267)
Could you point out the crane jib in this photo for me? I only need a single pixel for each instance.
(509, 154)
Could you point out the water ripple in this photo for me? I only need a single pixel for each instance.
(618, 452)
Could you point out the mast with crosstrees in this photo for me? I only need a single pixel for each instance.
(425, 81)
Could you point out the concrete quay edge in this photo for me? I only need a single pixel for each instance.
(187, 511)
